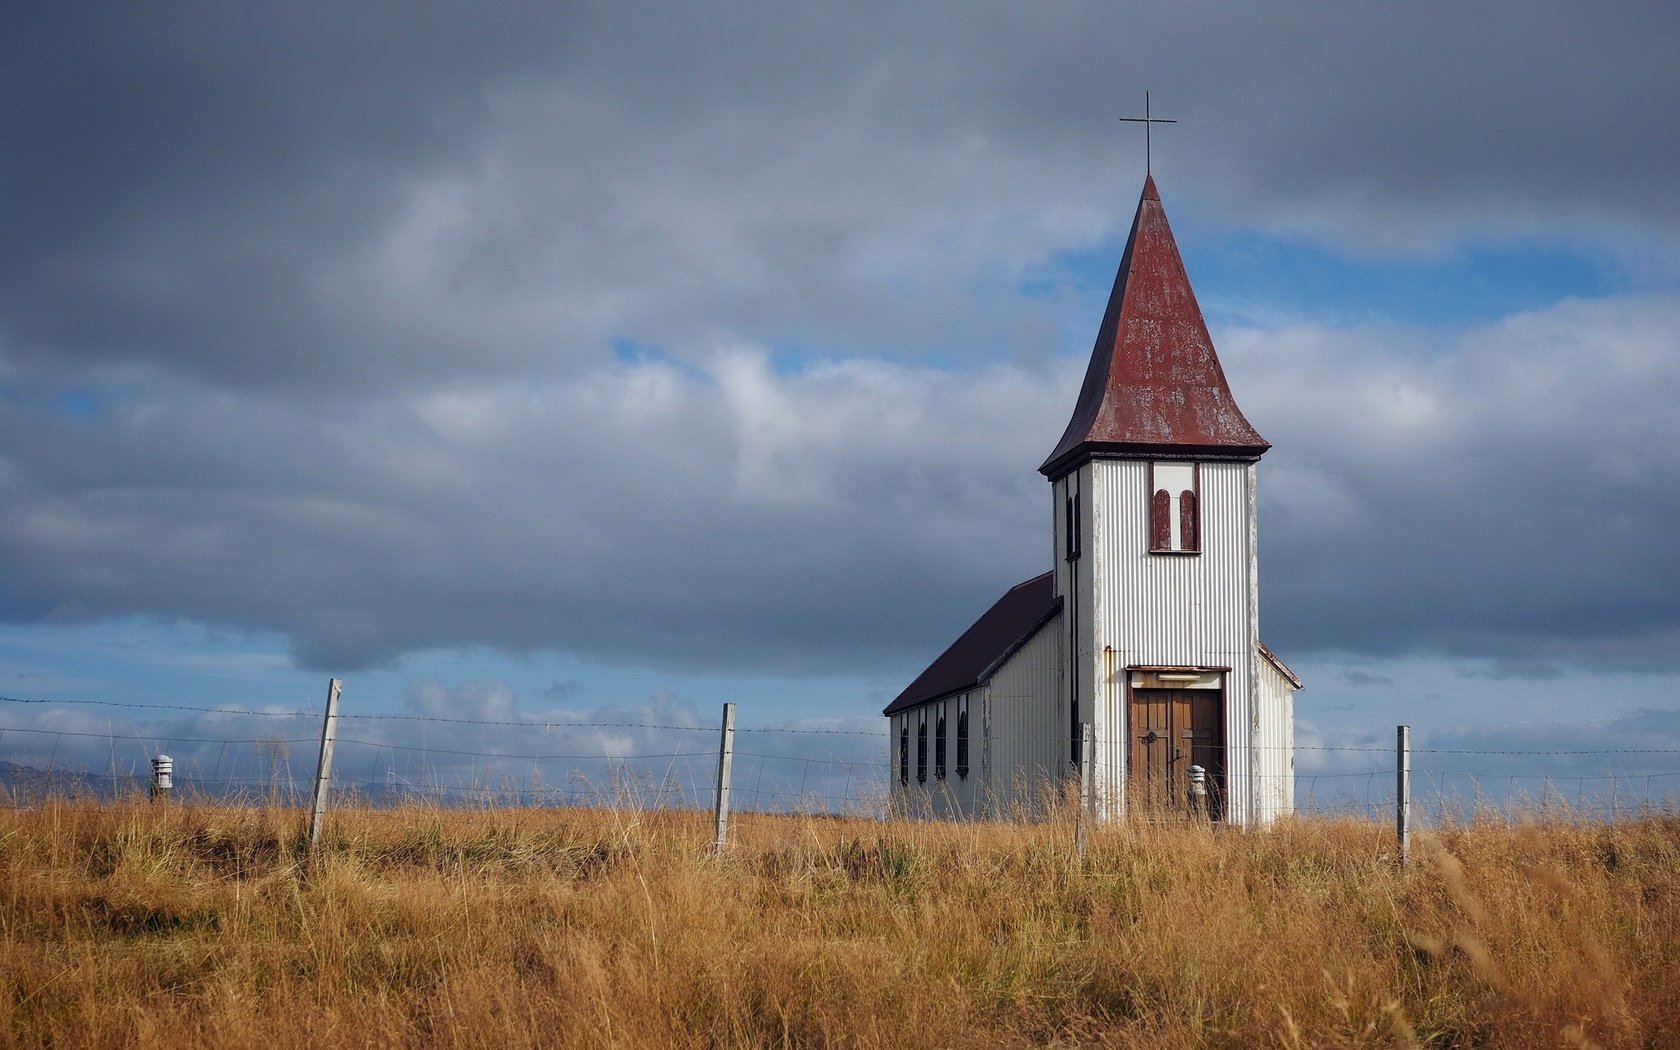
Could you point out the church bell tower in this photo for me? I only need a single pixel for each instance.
(1153, 490)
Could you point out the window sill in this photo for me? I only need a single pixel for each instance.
(1176, 554)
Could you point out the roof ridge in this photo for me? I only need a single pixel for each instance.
(1000, 631)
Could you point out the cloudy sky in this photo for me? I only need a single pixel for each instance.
(520, 360)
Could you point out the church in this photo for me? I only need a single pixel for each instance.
(1147, 626)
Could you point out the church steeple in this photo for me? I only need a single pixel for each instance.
(1154, 386)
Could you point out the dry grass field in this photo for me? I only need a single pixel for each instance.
(186, 925)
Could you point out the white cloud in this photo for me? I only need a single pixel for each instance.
(475, 698)
(1502, 494)
(645, 512)
(1506, 493)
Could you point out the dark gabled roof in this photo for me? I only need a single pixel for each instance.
(1154, 385)
(1006, 626)
(1283, 668)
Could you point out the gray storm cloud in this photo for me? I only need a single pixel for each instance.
(701, 341)
(298, 199)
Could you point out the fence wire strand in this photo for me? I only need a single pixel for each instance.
(407, 757)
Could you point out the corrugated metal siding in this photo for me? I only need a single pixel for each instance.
(1154, 609)
(1025, 712)
(1275, 745)
(920, 796)
(1014, 740)
(1108, 769)
(895, 790)
(1073, 583)
(956, 795)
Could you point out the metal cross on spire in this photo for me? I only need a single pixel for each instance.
(1146, 120)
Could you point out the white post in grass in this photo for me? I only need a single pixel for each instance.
(163, 777)
(726, 761)
(1403, 791)
(1198, 793)
(323, 768)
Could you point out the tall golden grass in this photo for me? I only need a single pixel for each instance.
(195, 925)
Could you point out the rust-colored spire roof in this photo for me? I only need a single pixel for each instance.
(1154, 386)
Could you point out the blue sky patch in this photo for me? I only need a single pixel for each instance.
(1235, 273)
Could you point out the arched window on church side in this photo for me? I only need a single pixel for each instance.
(921, 745)
(962, 737)
(939, 744)
(904, 749)
(1189, 535)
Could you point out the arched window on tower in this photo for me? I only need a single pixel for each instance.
(1160, 521)
(1175, 511)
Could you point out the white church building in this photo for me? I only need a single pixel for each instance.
(1147, 627)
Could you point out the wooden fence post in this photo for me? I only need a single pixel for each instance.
(323, 768)
(726, 762)
(1403, 791)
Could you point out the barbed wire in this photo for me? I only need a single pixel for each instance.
(167, 737)
(648, 793)
(161, 707)
(430, 749)
(174, 738)
(1480, 751)
(522, 757)
(525, 723)
(633, 779)
(557, 724)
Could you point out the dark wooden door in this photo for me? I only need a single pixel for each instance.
(1154, 755)
(1171, 730)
